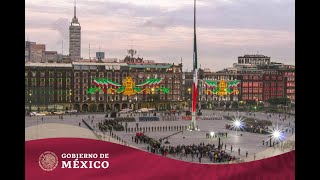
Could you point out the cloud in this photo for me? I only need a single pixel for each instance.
(159, 22)
(236, 14)
(163, 30)
(217, 13)
(61, 25)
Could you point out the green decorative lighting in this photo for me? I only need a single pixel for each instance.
(128, 88)
(221, 87)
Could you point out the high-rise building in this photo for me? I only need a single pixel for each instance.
(75, 38)
(34, 52)
(28, 50)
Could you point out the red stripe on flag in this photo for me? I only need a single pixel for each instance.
(194, 97)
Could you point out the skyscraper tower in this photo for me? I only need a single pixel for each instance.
(75, 37)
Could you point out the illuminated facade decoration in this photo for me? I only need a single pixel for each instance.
(128, 86)
(63, 86)
(221, 87)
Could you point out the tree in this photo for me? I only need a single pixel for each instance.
(278, 101)
(234, 105)
(153, 97)
(251, 102)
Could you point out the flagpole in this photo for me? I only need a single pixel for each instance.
(195, 73)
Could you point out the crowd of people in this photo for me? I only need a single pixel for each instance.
(210, 151)
(146, 118)
(125, 119)
(216, 154)
(110, 124)
(216, 135)
(142, 138)
(157, 128)
(198, 151)
(169, 117)
(253, 126)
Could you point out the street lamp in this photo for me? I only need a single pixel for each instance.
(211, 134)
(135, 101)
(270, 141)
(30, 101)
(255, 99)
(277, 135)
(189, 91)
(152, 92)
(70, 93)
(237, 123)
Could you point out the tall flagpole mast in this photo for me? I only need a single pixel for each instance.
(195, 73)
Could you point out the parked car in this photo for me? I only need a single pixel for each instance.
(59, 112)
(40, 114)
(127, 110)
(44, 113)
(144, 110)
(71, 111)
(33, 113)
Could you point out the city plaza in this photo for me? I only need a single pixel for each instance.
(57, 82)
(253, 146)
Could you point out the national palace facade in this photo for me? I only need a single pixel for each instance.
(64, 86)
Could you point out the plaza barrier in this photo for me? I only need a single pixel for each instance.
(149, 119)
(125, 119)
(89, 127)
(211, 118)
(171, 135)
(190, 117)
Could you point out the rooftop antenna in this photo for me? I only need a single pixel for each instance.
(89, 51)
(75, 6)
(62, 48)
(99, 58)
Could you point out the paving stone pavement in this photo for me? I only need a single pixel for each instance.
(250, 142)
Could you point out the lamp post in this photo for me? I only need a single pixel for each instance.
(256, 99)
(152, 92)
(135, 103)
(30, 102)
(70, 93)
(270, 141)
(189, 91)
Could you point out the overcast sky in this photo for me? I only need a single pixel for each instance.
(162, 30)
